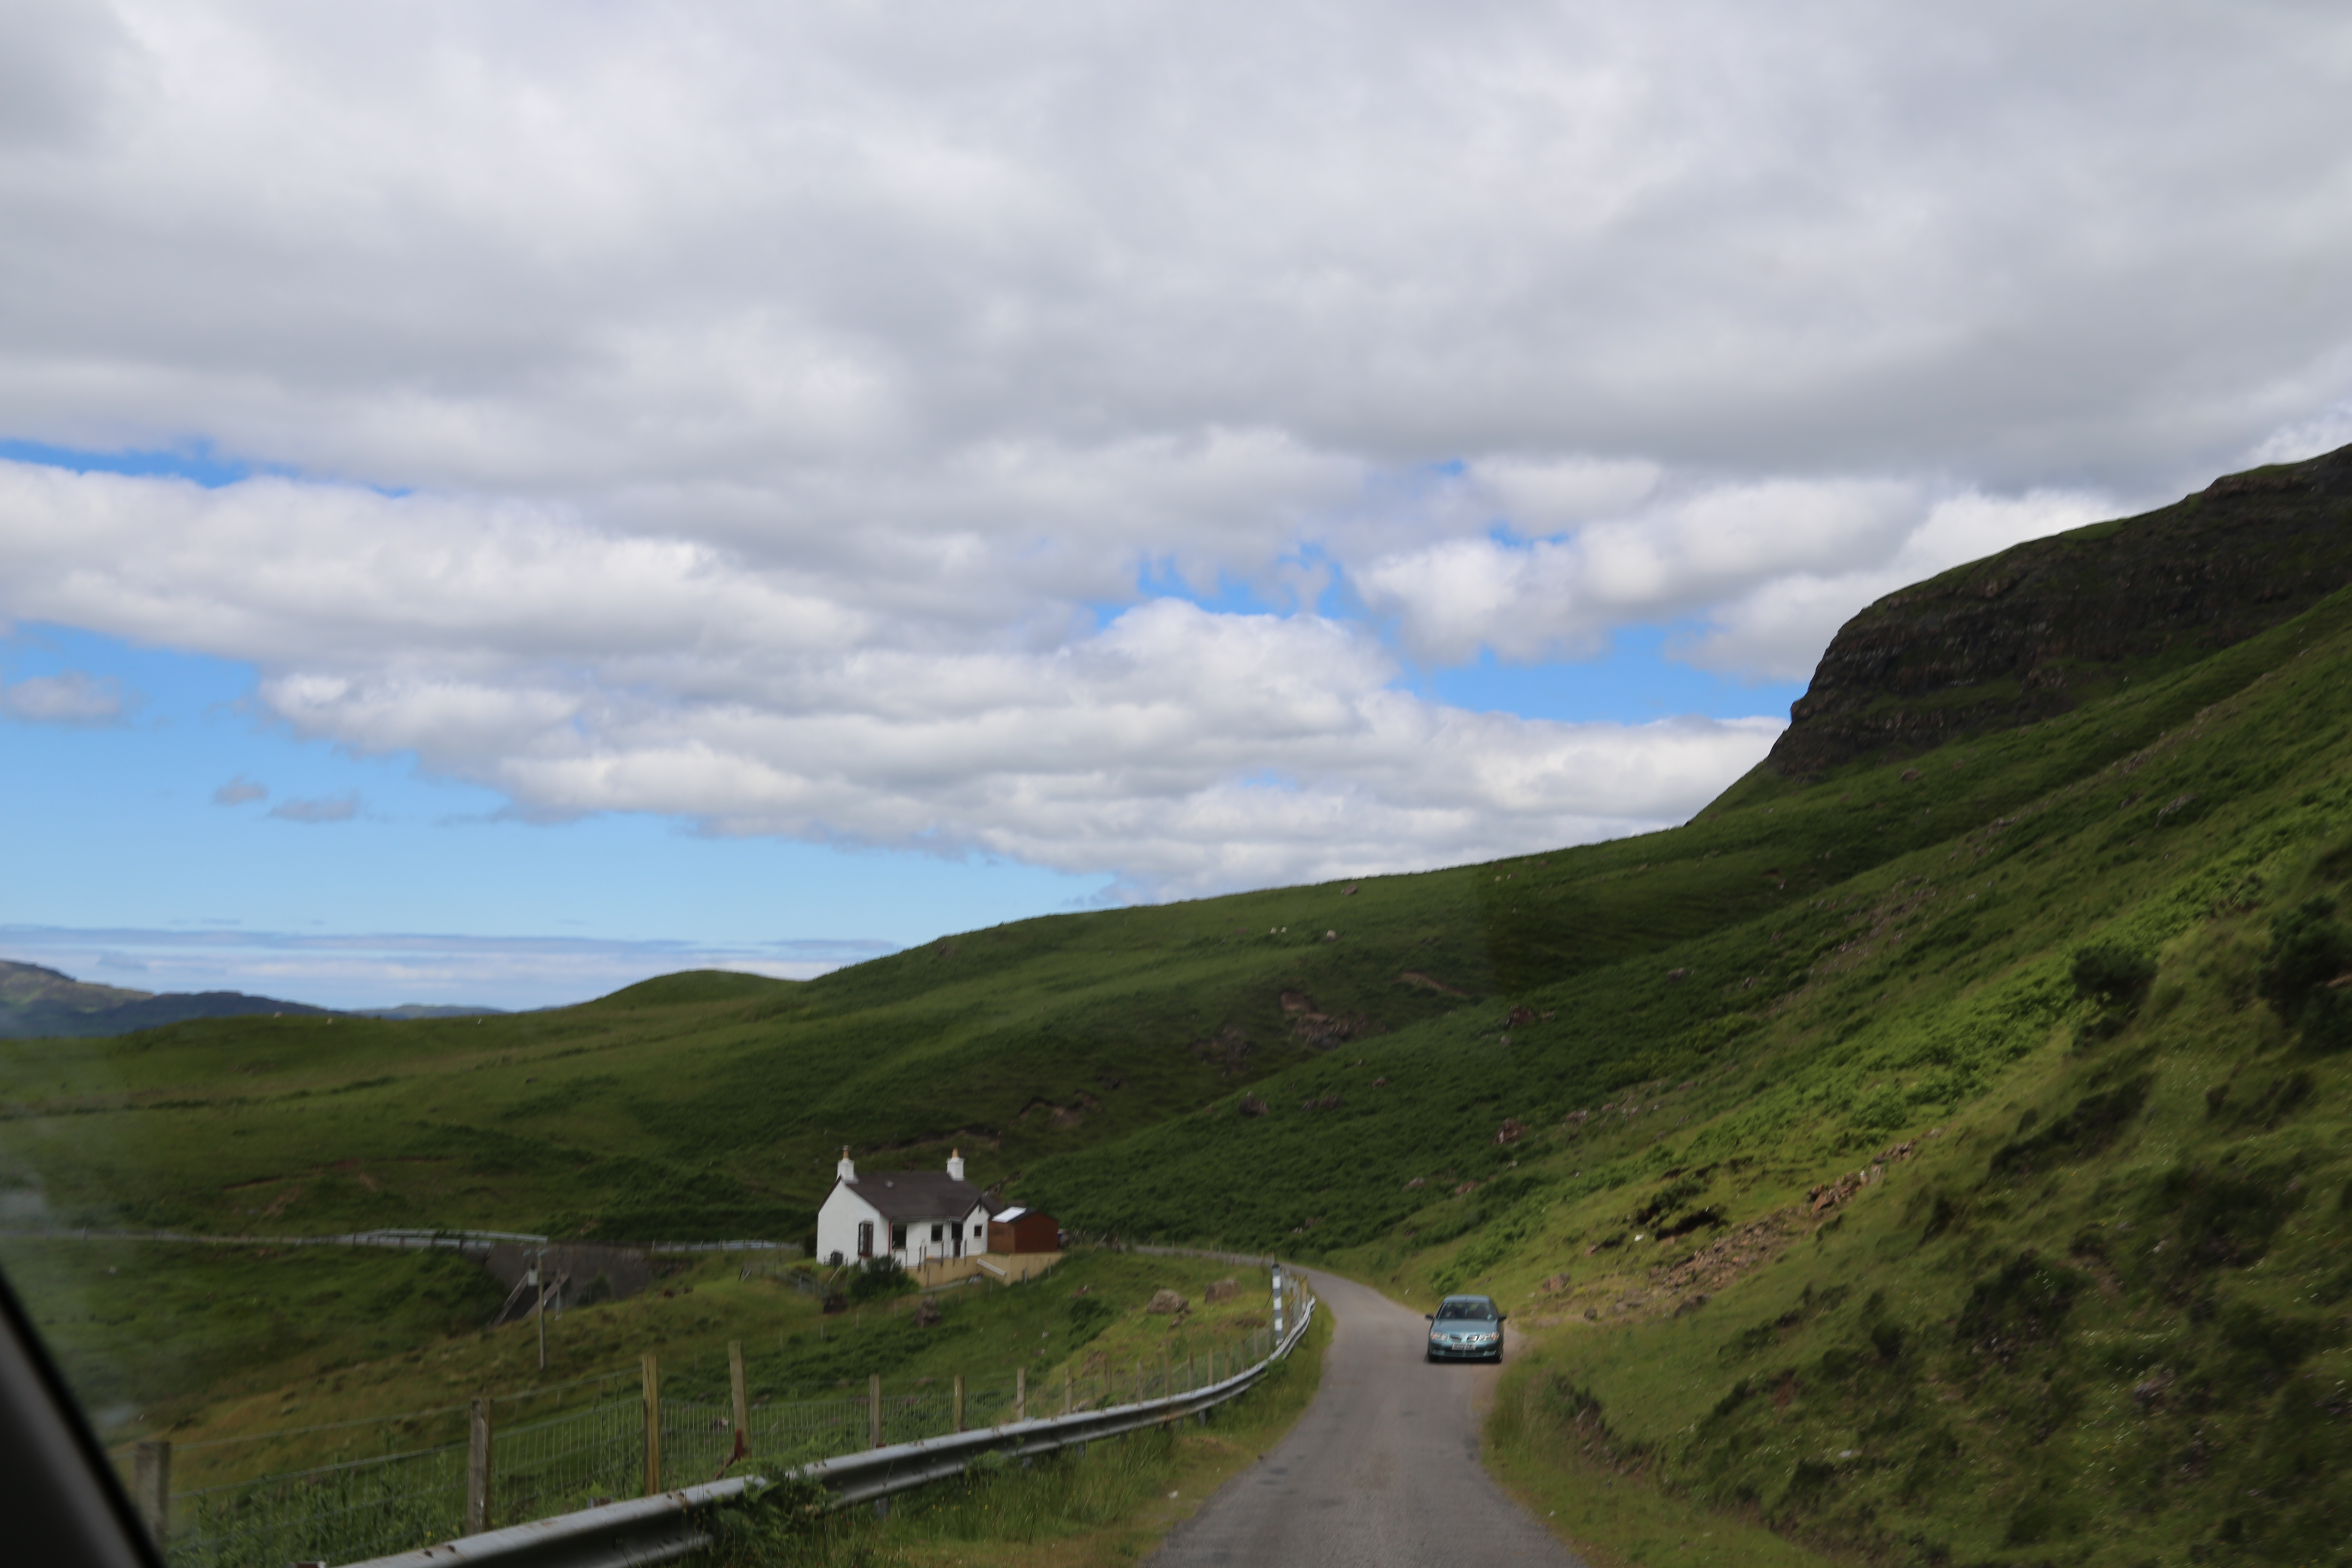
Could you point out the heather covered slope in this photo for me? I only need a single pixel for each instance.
(1940, 902)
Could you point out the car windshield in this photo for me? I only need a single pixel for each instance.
(1480, 1310)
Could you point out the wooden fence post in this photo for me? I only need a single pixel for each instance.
(874, 1410)
(151, 1488)
(649, 1370)
(1021, 1393)
(959, 1403)
(478, 1469)
(742, 1400)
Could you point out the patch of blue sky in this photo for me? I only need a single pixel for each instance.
(1635, 681)
(197, 461)
(1277, 594)
(1230, 595)
(121, 825)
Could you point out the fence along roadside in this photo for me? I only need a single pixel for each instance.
(664, 1528)
(628, 1437)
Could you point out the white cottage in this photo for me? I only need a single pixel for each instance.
(915, 1216)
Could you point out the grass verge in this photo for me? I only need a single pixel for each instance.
(1563, 1469)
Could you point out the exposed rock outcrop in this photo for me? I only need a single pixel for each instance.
(2026, 635)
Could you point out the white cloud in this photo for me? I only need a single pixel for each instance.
(1777, 628)
(579, 672)
(1675, 558)
(60, 64)
(239, 791)
(70, 697)
(2325, 431)
(1543, 497)
(318, 809)
(793, 397)
(532, 250)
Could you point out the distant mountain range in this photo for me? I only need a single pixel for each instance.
(38, 1003)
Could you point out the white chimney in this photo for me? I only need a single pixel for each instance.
(845, 1171)
(955, 1164)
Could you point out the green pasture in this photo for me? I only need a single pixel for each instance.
(141, 1328)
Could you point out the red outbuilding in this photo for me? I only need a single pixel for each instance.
(1023, 1230)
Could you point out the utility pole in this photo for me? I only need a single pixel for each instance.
(540, 1277)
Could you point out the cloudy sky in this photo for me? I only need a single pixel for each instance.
(498, 499)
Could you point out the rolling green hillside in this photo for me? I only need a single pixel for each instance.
(1838, 1185)
(715, 1105)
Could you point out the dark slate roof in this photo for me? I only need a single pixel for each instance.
(919, 1194)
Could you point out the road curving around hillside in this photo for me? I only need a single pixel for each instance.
(1381, 1469)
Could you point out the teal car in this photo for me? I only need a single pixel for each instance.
(1466, 1328)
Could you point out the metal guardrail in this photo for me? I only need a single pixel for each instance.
(659, 1529)
(668, 1527)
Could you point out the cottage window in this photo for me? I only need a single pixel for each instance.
(938, 1232)
(865, 1239)
(897, 1236)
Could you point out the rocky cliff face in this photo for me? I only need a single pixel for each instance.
(2031, 632)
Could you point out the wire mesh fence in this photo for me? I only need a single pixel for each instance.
(572, 1459)
(573, 1445)
(697, 1441)
(788, 1432)
(335, 1513)
(989, 1401)
(801, 1277)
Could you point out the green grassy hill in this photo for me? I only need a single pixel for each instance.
(1837, 1188)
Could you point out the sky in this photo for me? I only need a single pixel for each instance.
(500, 500)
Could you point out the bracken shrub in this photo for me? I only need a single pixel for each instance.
(2309, 948)
(2112, 974)
(2117, 978)
(877, 1278)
